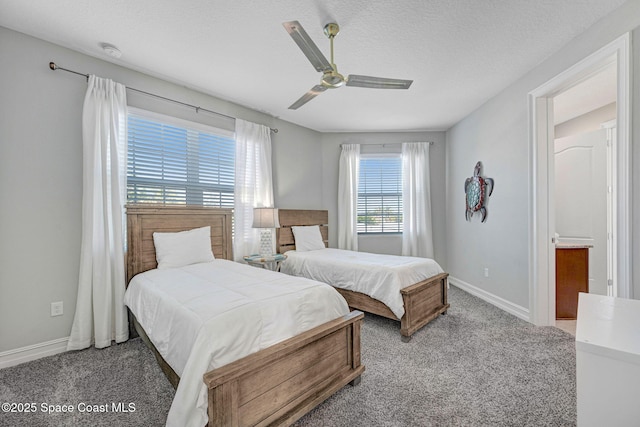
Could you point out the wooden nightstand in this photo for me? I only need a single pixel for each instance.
(269, 262)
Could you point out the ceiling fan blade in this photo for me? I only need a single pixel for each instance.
(315, 91)
(377, 82)
(308, 47)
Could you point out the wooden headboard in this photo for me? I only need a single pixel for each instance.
(144, 219)
(294, 217)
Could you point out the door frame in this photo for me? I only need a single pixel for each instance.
(541, 176)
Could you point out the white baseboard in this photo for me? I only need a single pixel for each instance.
(501, 303)
(32, 352)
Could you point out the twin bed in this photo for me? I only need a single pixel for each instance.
(246, 346)
(276, 346)
(410, 290)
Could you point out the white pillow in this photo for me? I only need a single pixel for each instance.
(183, 248)
(307, 238)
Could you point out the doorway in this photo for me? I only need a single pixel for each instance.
(543, 202)
(584, 125)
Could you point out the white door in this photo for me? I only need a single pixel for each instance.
(581, 194)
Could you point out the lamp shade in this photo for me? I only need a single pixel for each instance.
(265, 218)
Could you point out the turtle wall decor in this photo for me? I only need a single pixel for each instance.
(476, 191)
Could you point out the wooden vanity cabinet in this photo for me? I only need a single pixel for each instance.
(572, 277)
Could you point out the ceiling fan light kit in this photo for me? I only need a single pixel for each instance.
(331, 78)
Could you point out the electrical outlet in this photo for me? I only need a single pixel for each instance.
(57, 309)
(486, 272)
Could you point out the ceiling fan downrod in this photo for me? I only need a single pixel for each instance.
(332, 79)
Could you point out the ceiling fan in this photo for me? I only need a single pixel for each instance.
(331, 79)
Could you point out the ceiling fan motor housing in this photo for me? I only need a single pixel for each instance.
(332, 79)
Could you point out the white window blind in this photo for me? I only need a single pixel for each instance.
(175, 161)
(380, 194)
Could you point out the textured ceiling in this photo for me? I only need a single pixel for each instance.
(458, 52)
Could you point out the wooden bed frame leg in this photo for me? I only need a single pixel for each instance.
(405, 338)
(356, 381)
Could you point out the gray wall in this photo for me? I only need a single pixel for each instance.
(386, 244)
(41, 175)
(586, 122)
(497, 134)
(297, 173)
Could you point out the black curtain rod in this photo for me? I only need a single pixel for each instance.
(54, 67)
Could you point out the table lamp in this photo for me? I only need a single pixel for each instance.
(267, 220)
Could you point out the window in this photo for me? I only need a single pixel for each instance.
(380, 194)
(175, 161)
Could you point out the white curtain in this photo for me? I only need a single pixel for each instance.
(253, 186)
(417, 235)
(348, 197)
(101, 316)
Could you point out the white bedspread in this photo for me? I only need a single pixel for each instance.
(379, 276)
(204, 316)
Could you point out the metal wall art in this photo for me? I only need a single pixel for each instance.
(476, 190)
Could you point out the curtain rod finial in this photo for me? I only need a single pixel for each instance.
(53, 65)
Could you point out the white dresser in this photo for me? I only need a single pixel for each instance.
(608, 361)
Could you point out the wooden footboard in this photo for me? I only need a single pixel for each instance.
(423, 302)
(278, 385)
